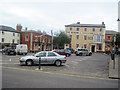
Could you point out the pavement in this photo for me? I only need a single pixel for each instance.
(114, 72)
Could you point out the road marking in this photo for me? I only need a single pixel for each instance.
(10, 59)
(9, 63)
(65, 74)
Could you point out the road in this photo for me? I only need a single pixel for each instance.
(78, 72)
(14, 78)
(95, 65)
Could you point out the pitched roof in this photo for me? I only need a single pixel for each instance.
(7, 28)
(85, 25)
(110, 32)
(33, 31)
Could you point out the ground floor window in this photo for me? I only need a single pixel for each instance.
(85, 45)
(77, 45)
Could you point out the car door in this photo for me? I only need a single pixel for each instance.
(86, 52)
(41, 55)
(83, 51)
(51, 57)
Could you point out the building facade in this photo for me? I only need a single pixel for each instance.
(35, 40)
(8, 36)
(109, 37)
(89, 36)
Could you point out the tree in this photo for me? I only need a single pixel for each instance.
(61, 39)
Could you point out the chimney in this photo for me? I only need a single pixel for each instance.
(103, 23)
(26, 28)
(78, 22)
(19, 27)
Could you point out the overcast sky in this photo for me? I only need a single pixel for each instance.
(55, 14)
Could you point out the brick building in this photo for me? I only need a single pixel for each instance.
(35, 40)
(109, 37)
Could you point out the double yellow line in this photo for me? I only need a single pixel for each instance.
(65, 74)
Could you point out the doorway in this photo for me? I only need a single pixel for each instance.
(93, 48)
(42, 47)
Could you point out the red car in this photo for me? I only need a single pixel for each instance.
(62, 52)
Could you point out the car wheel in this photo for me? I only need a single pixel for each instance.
(67, 55)
(90, 54)
(29, 62)
(58, 63)
(80, 54)
(77, 54)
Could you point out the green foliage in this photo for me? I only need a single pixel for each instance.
(117, 40)
(61, 39)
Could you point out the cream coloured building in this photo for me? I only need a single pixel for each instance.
(89, 36)
(8, 36)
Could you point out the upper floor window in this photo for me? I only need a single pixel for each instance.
(100, 29)
(3, 40)
(108, 38)
(36, 38)
(93, 29)
(77, 29)
(85, 29)
(3, 32)
(18, 41)
(13, 34)
(98, 38)
(77, 37)
(112, 38)
(26, 38)
(85, 37)
(70, 28)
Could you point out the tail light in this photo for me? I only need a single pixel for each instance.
(64, 57)
(14, 51)
(8, 50)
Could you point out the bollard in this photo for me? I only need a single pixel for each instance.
(39, 63)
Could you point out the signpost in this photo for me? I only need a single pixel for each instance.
(39, 63)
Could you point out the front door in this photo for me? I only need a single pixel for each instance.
(42, 47)
(93, 48)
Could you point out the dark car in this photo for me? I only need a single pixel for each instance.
(72, 51)
(62, 52)
(10, 51)
(4, 50)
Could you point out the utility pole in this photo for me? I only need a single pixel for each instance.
(114, 53)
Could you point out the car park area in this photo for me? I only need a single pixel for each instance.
(95, 65)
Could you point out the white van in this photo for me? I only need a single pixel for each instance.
(21, 49)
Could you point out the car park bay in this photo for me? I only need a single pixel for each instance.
(82, 65)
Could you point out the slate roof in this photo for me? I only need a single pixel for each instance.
(110, 32)
(7, 28)
(33, 31)
(85, 25)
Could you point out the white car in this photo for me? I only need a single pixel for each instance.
(83, 51)
(47, 57)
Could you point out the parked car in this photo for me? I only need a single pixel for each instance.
(10, 51)
(47, 57)
(4, 50)
(71, 49)
(83, 51)
(62, 52)
(66, 50)
(22, 49)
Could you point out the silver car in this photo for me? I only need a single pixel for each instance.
(83, 51)
(47, 57)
